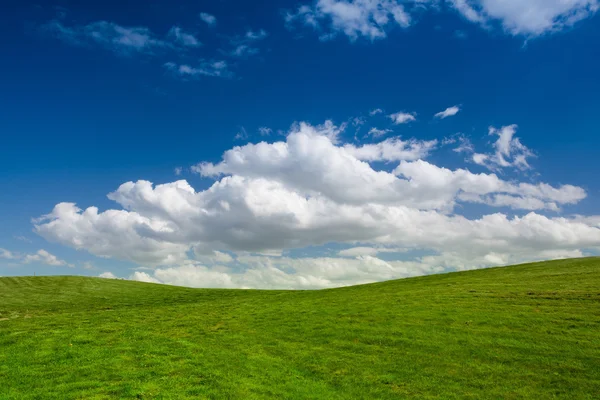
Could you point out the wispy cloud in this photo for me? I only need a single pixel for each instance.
(205, 68)
(119, 39)
(264, 131)
(209, 19)
(378, 132)
(245, 45)
(508, 150)
(183, 38)
(448, 112)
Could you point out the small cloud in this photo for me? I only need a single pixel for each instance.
(119, 39)
(183, 38)
(243, 46)
(8, 255)
(205, 68)
(256, 35)
(402, 117)
(264, 131)
(242, 134)
(375, 112)
(42, 256)
(460, 34)
(107, 275)
(178, 171)
(209, 19)
(23, 239)
(88, 266)
(243, 50)
(448, 112)
(358, 121)
(378, 132)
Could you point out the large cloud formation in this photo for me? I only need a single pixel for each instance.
(311, 190)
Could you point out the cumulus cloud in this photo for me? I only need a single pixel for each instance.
(310, 191)
(107, 275)
(448, 112)
(393, 149)
(355, 18)
(402, 117)
(209, 19)
(375, 111)
(529, 18)
(7, 254)
(43, 257)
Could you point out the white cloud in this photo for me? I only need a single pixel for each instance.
(310, 191)
(244, 50)
(42, 256)
(178, 171)
(245, 45)
(143, 277)
(242, 134)
(117, 38)
(375, 111)
(378, 132)
(256, 35)
(88, 266)
(353, 18)
(205, 68)
(209, 19)
(183, 38)
(402, 117)
(264, 131)
(393, 149)
(529, 18)
(448, 112)
(7, 254)
(509, 151)
(107, 275)
(372, 19)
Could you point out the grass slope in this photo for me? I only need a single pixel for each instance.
(530, 331)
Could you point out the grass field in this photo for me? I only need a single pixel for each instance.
(530, 331)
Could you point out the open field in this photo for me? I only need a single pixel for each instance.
(530, 331)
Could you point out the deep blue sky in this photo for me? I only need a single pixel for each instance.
(79, 120)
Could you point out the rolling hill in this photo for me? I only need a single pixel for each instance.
(528, 331)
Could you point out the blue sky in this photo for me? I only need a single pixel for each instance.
(96, 96)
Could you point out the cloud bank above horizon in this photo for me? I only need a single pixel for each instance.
(389, 212)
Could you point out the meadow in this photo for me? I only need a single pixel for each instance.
(523, 332)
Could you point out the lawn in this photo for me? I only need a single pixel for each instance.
(529, 331)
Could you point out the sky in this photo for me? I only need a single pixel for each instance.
(296, 144)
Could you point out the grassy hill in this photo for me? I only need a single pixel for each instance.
(530, 331)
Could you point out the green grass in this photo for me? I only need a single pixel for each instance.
(530, 331)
